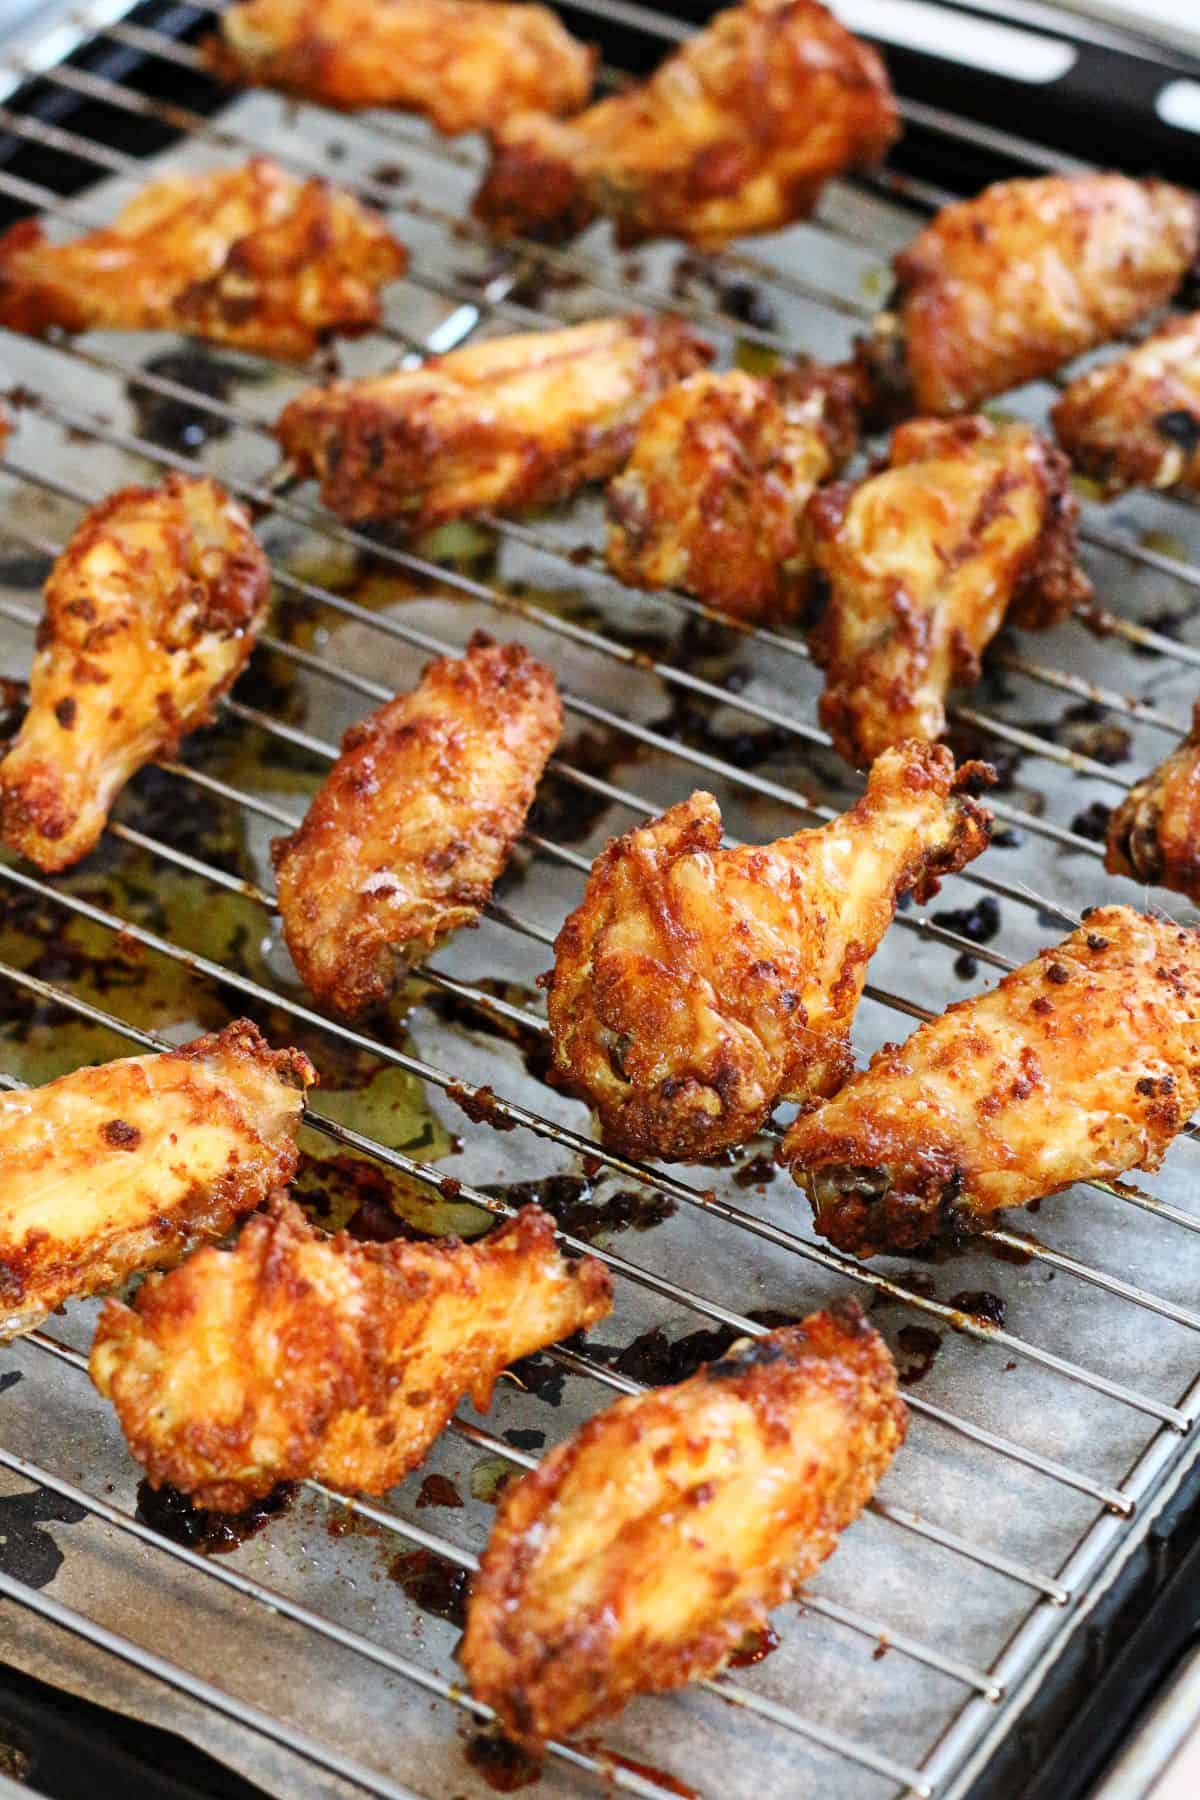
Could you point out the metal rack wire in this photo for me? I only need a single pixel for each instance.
(984, 1689)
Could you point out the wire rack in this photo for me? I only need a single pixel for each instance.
(1047, 1431)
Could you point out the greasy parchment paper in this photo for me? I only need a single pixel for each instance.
(891, 1569)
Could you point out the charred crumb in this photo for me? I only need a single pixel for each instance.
(970, 744)
(571, 1202)
(539, 1375)
(481, 1105)
(1006, 837)
(524, 1439)
(978, 924)
(981, 1305)
(173, 1515)
(389, 174)
(1088, 729)
(1167, 622)
(1092, 822)
(759, 1353)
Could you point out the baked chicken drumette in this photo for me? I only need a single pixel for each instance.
(415, 821)
(122, 1167)
(509, 422)
(913, 571)
(1081, 1065)
(252, 257)
(712, 497)
(297, 1354)
(1135, 422)
(152, 611)
(1005, 288)
(696, 987)
(467, 65)
(737, 132)
(1154, 834)
(640, 1552)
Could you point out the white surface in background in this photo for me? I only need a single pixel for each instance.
(980, 43)
(1175, 22)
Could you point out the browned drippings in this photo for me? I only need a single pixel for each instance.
(173, 1515)
(505, 1766)
(918, 1350)
(432, 1583)
(981, 1305)
(438, 1490)
(755, 1647)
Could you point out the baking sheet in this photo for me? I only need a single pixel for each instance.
(884, 1569)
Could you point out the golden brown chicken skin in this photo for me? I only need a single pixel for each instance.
(695, 987)
(152, 611)
(1154, 834)
(712, 496)
(1082, 1064)
(297, 1354)
(640, 1552)
(467, 65)
(415, 821)
(913, 571)
(737, 132)
(252, 257)
(511, 422)
(1136, 421)
(1007, 287)
(122, 1167)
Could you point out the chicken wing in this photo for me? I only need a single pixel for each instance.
(914, 570)
(1082, 1064)
(736, 132)
(415, 821)
(722, 467)
(296, 1354)
(514, 421)
(1154, 834)
(1007, 287)
(122, 1167)
(152, 611)
(468, 65)
(640, 1552)
(252, 257)
(695, 987)
(1136, 421)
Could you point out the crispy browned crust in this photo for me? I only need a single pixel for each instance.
(467, 65)
(415, 821)
(152, 611)
(1007, 287)
(1082, 1064)
(1135, 422)
(695, 987)
(713, 493)
(990, 528)
(640, 1552)
(1154, 834)
(736, 132)
(232, 1106)
(505, 423)
(296, 1354)
(252, 257)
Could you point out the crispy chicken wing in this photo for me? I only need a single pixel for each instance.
(640, 1552)
(1136, 421)
(510, 422)
(252, 257)
(695, 987)
(736, 132)
(152, 611)
(468, 65)
(1082, 1064)
(415, 821)
(122, 1167)
(722, 467)
(1154, 834)
(914, 570)
(297, 1354)
(1007, 287)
